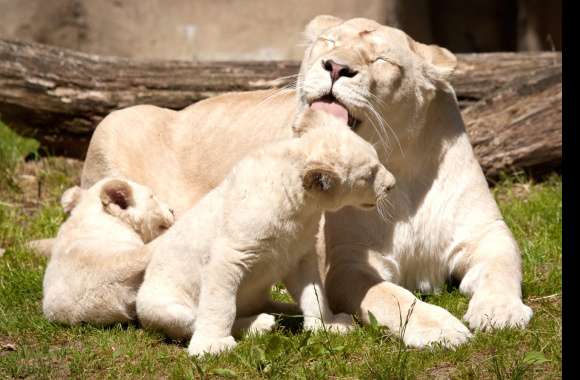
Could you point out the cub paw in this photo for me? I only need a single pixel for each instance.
(430, 325)
(497, 312)
(263, 323)
(200, 346)
(339, 323)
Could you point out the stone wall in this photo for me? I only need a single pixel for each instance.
(268, 29)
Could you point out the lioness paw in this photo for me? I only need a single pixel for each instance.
(430, 325)
(496, 312)
(200, 346)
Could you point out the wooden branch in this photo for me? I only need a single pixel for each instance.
(58, 96)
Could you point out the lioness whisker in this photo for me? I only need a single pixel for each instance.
(276, 93)
(359, 100)
(384, 141)
(384, 122)
(382, 136)
(381, 117)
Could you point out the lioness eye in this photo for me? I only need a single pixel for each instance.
(330, 42)
(387, 60)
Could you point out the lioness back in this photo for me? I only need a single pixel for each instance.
(181, 155)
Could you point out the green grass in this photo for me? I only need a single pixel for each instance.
(30, 346)
(12, 149)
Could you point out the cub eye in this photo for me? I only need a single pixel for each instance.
(370, 177)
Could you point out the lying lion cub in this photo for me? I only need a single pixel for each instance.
(98, 260)
(212, 272)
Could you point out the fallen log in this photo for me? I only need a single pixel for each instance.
(520, 125)
(58, 96)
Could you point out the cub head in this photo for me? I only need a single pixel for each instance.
(376, 78)
(341, 169)
(135, 205)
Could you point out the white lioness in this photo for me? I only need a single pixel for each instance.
(98, 261)
(444, 221)
(259, 226)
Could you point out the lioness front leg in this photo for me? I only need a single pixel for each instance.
(305, 286)
(490, 273)
(358, 289)
(221, 278)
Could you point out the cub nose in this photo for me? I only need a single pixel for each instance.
(338, 70)
(388, 181)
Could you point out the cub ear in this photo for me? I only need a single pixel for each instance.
(441, 59)
(70, 198)
(117, 192)
(319, 24)
(320, 179)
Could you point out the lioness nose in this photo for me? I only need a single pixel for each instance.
(338, 70)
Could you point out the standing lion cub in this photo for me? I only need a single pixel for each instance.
(211, 273)
(98, 260)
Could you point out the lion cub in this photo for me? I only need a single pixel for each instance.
(212, 272)
(97, 261)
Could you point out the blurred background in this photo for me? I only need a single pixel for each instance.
(271, 30)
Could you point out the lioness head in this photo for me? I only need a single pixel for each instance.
(341, 169)
(132, 203)
(376, 78)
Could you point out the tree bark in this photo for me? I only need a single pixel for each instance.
(59, 96)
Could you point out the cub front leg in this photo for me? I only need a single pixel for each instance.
(305, 286)
(490, 273)
(256, 324)
(221, 278)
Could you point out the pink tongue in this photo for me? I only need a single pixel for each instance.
(331, 108)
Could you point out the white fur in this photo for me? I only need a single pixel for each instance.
(443, 220)
(219, 261)
(97, 260)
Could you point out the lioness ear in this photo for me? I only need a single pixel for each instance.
(70, 198)
(117, 192)
(319, 24)
(441, 59)
(319, 179)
